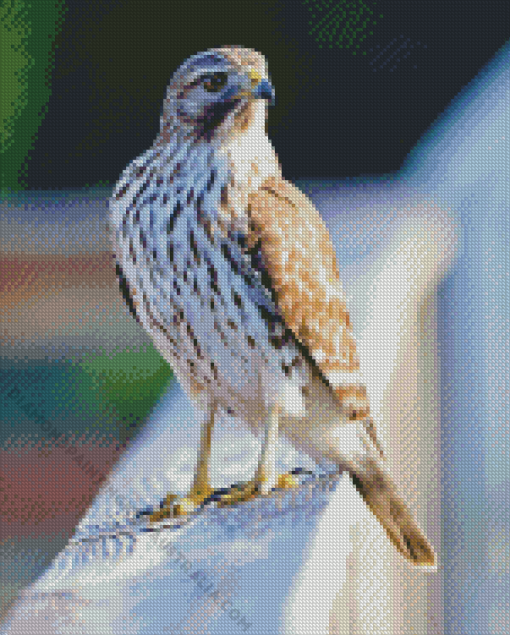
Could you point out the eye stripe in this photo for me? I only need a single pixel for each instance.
(198, 80)
(214, 82)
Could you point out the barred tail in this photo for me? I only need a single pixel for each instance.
(380, 494)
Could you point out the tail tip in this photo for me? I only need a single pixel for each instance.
(420, 553)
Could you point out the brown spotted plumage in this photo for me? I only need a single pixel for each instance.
(301, 262)
(231, 270)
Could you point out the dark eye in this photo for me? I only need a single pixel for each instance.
(214, 82)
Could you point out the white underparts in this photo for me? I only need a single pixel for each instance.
(290, 399)
(345, 378)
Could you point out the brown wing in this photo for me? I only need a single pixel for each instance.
(300, 260)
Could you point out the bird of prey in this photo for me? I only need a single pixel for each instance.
(232, 272)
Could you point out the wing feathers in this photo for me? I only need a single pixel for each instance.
(301, 263)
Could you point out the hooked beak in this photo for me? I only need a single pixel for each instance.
(261, 88)
(264, 90)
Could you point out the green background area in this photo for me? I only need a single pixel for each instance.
(27, 35)
(102, 394)
(342, 23)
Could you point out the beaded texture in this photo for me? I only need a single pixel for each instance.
(231, 270)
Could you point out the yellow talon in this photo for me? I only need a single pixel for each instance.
(175, 506)
(240, 494)
(166, 511)
(160, 514)
(287, 481)
(184, 506)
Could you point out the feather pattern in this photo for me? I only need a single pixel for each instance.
(232, 272)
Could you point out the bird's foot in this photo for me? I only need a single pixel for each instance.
(173, 506)
(287, 481)
(243, 492)
(239, 493)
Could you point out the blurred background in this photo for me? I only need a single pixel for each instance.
(372, 97)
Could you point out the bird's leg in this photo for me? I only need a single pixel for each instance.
(265, 477)
(266, 471)
(200, 489)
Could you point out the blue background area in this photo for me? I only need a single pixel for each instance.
(459, 163)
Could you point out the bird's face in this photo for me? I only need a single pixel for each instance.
(211, 89)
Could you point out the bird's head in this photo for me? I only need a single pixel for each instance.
(219, 91)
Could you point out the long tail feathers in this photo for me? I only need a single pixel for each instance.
(380, 494)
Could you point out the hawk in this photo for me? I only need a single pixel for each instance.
(232, 272)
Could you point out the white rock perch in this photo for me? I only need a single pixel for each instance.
(270, 565)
